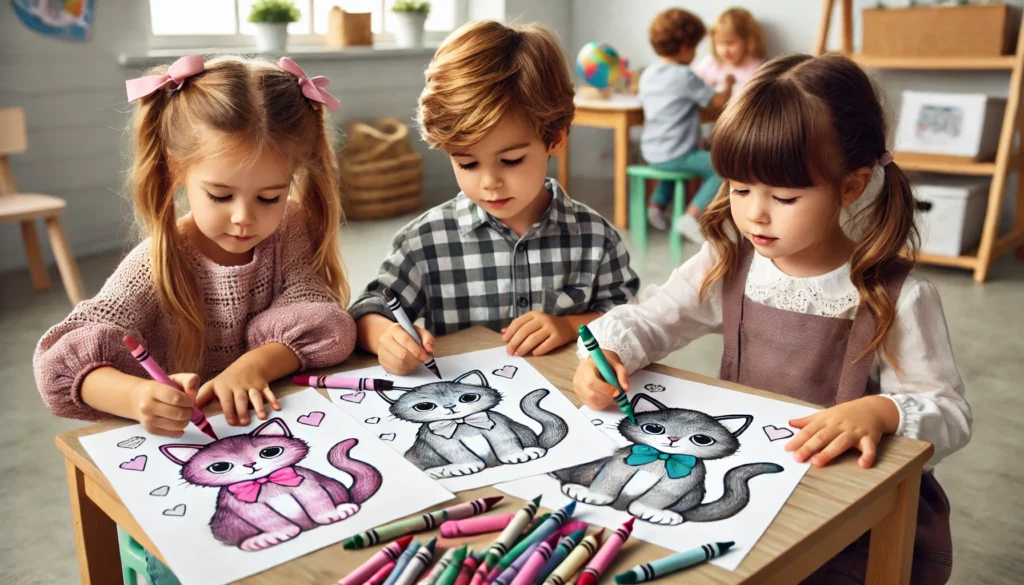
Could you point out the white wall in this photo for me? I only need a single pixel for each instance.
(790, 26)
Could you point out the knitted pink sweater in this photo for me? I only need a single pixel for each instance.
(273, 298)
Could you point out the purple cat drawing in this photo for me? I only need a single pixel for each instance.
(265, 497)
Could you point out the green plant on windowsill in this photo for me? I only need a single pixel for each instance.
(277, 11)
(408, 6)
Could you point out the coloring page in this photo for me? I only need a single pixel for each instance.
(493, 418)
(702, 464)
(261, 495)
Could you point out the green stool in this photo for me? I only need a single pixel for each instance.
(133, 559)
(638, 205)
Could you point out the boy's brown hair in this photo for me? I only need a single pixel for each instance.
(673, 29)
(485, 71)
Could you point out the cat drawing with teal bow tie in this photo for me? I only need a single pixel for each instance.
(659, 477)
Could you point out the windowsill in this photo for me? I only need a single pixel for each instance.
(305, 53)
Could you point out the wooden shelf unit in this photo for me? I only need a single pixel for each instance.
(1007, 160)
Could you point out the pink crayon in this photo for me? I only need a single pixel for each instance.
(571, 526)
(343, 383)
(149, 364)
(528, 574)
(466, 572)
(604, 557)
(386, 555)
(381, 575)
(478, 525)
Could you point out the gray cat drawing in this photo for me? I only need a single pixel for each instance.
(659, 478)
(461, 434)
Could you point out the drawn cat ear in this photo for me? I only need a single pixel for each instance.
(386, 394)
(271, 428)
(644, 403)
(180, 454)
(735, 423)
(474, 378)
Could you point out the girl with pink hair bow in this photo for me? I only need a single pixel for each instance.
(248, 285)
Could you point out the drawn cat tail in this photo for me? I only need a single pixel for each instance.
(736, 496)
(554, 428)
(366, 478)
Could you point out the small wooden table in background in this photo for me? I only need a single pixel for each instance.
(618, 113)
(830, 508)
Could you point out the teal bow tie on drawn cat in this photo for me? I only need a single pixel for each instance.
(676, 465)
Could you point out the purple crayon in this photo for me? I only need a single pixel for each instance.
(343, 383)
(149, 364)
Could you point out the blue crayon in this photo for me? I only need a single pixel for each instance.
(673, 563)
(402, 562)
(561, 551)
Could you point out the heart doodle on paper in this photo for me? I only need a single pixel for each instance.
(160, 491)
(775, 433)
(138, 463)
(654, 388)
(387, 437)
(312, 419)
(177, 511)
(355, 397)
(132, 443)
(507, 372)
(372, 420)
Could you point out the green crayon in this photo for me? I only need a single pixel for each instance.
(673, 563)
(606, 371)
(450, 574)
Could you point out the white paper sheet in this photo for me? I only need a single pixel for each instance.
(178, 515)
(475, 439)
(761, 441)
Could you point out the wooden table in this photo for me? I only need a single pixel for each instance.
(829, 509)
(618, 113)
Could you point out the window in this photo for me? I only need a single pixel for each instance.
(225, 23)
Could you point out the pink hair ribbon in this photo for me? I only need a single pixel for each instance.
(312, 88)
(181, 69)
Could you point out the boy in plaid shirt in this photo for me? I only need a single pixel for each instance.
(511, 252)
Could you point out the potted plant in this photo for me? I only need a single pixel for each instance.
(271, 19)
(410, 17)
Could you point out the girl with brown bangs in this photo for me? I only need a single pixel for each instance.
(245, 287)
(805, 276)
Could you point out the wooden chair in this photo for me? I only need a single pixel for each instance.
(26, 208)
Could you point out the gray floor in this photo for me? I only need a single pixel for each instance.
(986, 323)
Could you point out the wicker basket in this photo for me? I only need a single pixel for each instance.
(381, 175)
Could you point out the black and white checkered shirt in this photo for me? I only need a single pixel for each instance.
(457, 266)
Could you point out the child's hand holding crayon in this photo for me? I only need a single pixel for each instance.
(164, 410)
(591, 387)
(399, 353)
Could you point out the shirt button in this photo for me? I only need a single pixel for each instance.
(524, 302)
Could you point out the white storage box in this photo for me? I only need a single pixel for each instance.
(950, 124)
(953, 224)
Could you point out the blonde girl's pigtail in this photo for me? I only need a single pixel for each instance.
(152, 190)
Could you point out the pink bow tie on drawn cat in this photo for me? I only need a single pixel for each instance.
(260, 483)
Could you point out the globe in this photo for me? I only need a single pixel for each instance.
(598, 64)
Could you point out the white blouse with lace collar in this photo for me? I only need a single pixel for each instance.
(928, 391)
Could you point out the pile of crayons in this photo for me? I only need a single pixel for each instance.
(550, 549)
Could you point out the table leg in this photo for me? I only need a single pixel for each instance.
(563, 166)
(99, 561)
(621, 161)
(892, 539)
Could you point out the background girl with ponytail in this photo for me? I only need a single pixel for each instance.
(807, 309)
(243, 289)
